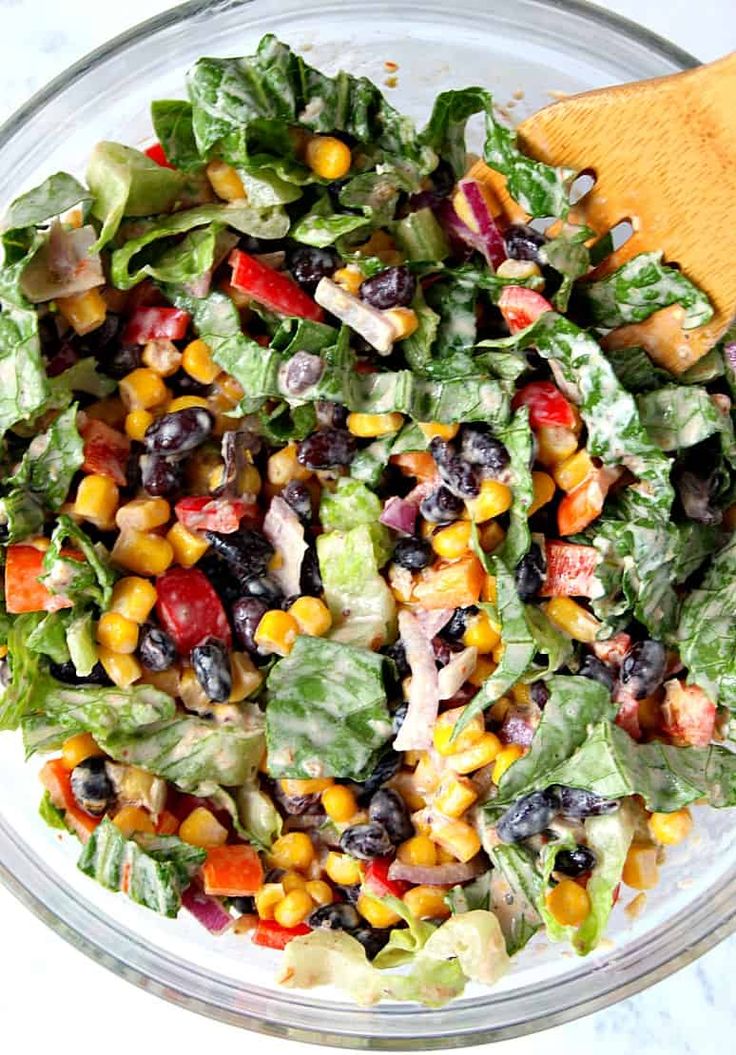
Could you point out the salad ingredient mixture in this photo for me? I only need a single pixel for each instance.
(366, 596)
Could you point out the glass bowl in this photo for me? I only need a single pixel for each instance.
(534, 47)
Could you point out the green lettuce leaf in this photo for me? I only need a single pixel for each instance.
(362, 605)
(350, 505)
(516, 887)
(50, 462)
(417, 348)
(49, 637)
(677, 417)
(403, 942)
(258, 816)
(90, 580)
(473, 895)
(22, 514)
(609, 837)
(322, 226)
(568, 254)
(377, 194)
(454, 299)
(420, 237)
(445, 130)
(56, 195)
(172, 123)
(80, 640)
(519, 442)
(50, 814)
(326, 713)
(24, 666)
(635, 370)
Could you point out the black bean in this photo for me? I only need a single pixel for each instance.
(388, 809)
(643, 667)
(539, 692)
(366, 841)
(265, 589)
(99, 340)
(160, 477)
(696, 495)
(578, 802)
(528, 816)
(179, 432)
(413, 553)
(338, 916)
(297, 495)
(247, 551)
(392, 288)
(302, 371)
(592, 668)
(458, 622)
(462, 478)
(530, 573)
(398, 718)
(397, 653)
(331, 415)
(296, 805)
(67, 673)
(124, 359)
(246, 906)
(478, 446)
(523, 242)
(156, 650)
(372, 939)
(351, 892)
(388, 764)
(310, 579)
(212, 667)
(308, 265)
(91, 786)
(247, 614)
(183, 384)
(227, 585)
(575, 862)
(326, 449)
(442, 506)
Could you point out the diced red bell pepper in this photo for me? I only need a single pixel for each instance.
(156, 324)
(57, 780)
(547, 405)
(627, 716)
(570, 570)
(189, 610)
(688, 715)
(377, 882)
(521, 307)
(582, 505)
(23, 591)
(272, 288)
(612, 650)
(271, 935)
(156, 153)
(106, 451)
(167, 823)
(232, 871)
(202, 513)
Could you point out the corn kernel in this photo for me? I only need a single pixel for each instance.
(143, 514)
(293, 850)
(349, 278)
(569, 903)
(267, 898)
(283, 467)
(375, 912)
(518, 269)
(185, 402)
(225, 181)
(188, 547)
(452, 541)
(163, 357)
(571, 617)
(293, 909)
(499, 710)
(426, 777)
(339, 803)
(79, 747)
(419, 850)
(246, 677)
(308, 786)
(136, 424)
(505, 759)
(555, 444)
(133, 598)
(436, 428)
(201, 828)
(484, 667)
(142, 553)
(122, 670)
(320, 892)
(191, 692)
(328, 157)
(481, 634)
(198, 362)
(133, 819)
(403, 320)
(142, 389)
(490, 536)
(117, 633)
(544, 490)
(494, 499)
(489, 591)
(292, 881)
(521, 694)
(445, 725)
(230, 388)
(573, 470)
(455, 795)
(276, 632)
(457, 837)
(97, 499)
(312, 615)
(83, 311)
(403, 782)
(498, 652)
(427, 902)
(480, 754)
(343, 869)
(640, 868)
(369, 426)
(669, 829)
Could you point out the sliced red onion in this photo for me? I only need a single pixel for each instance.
(63, 266)
(423, 696)
(455, 673)
(432, 620)
(399, 515)
(436, 875)
(207, 910)
(492, 244)
(285, 531)
(518, 728)
(729, 351)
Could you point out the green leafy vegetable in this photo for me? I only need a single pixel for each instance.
(22, 515)
(49, 637)
(420, 236)
(326, 713)
(360, 601)
(50, 814)
(322, 226)
(707, 629)
(56, 195)
(516, 887)
(350, 505)
(476, 894)
(258, 816)
(635, 370)
(24, 666)
(677, 417)
(445, 130)
(642, 286)
(53, 457)
(90, 580)
(568, 254)
(80, 640)
(172, 123)
(404, 943)
(609, 837)
(519, 442)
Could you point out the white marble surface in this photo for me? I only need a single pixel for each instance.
(52, 995)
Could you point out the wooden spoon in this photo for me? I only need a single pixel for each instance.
(663, 153)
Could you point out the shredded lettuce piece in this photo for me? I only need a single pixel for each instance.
(90, 580)
(172, 123)
(678, 417)
(50, 462)
(361, 603)
(350, 505)
(56, 195)
(707, 629)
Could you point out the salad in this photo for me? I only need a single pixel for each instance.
(369, 570)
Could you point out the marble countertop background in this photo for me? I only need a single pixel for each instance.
(41, 977)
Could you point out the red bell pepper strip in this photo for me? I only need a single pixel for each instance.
(547, 405)
(189, 610)
(106, 451)
(156, 324)
(23, 591)
(271, 935)
(272, 288)
(202, 513)
(521, 307)
(57, 780)
(377, 882)
(570, 570)
(156, 153)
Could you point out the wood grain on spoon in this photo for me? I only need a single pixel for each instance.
(664, 156)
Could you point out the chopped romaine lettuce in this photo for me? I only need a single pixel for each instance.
(516, 887)
(88, 580)
(350, 505)
(362, 605)
(707, 629)
(678, 417)
(50, 462)
(172, 123)
(56, 195)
